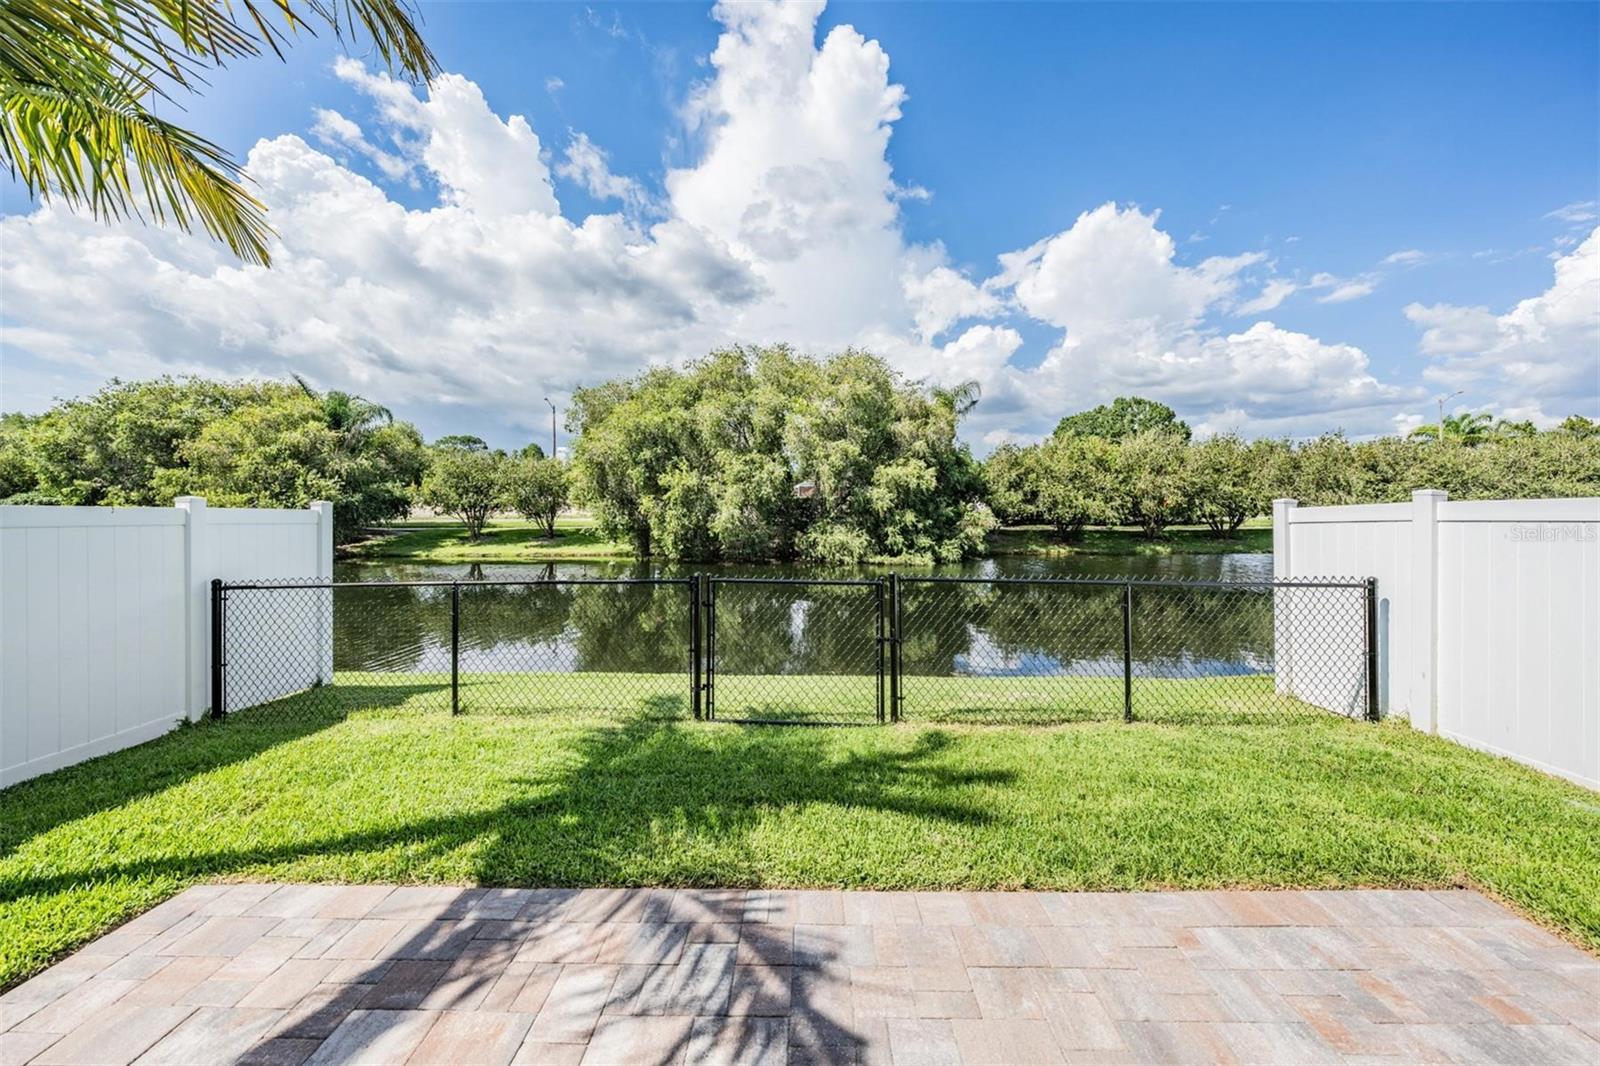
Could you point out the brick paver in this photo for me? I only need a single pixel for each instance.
(293, 974)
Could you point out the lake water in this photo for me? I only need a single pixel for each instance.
(951, 629)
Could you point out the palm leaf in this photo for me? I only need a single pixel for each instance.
(74, 75)
(103, 150)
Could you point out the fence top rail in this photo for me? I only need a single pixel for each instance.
(1103, 582)
(1144, 582)
(233, 586)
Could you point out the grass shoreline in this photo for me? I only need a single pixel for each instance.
(821, 698)
(509, 540)
(500, 800)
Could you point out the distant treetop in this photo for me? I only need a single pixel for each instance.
(465, 442)
(1122, 418)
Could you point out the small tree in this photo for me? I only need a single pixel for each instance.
(1326, 473)
(1010, 478)
(466, 484)
(1226, 484)
(1075, 481)
(1153, 480)
(536, 488)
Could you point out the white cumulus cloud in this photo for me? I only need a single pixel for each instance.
(784, 224)
(1543, 352)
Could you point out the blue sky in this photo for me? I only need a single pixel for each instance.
(1296, 147)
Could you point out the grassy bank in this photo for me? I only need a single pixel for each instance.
(507, 800)
(1254, 536)
(504, 540)
(510, 540)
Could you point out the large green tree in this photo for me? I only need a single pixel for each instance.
(87, 88)
(764, 454)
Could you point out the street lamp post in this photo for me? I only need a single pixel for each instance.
(553, 427)
(1442, 401)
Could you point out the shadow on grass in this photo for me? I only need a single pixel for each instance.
(37, 806)
(602, 821)
(627, 808)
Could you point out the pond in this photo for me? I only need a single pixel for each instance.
(1014, 630)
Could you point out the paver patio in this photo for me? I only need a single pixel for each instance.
(286, 974)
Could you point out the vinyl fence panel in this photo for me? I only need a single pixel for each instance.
(1489, 616)
(104, 635)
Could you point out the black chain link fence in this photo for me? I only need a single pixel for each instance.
(933, 649)
(796, 650)
(564, 645)
(1043, 651)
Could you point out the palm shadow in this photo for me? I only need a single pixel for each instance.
(641, 802)
(30, 808)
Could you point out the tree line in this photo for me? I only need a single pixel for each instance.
(751, 454)
(264, 444)
(1133, 462)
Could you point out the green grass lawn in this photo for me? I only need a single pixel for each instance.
(1254, 536)
(504, 540)
(554, 800)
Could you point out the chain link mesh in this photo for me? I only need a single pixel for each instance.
(518, 647)
(1020, 651)
(1010, 652)
(796, 650)
(1061, 650)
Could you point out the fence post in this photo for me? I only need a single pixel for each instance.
(694, 644)
(1372, 648)
(324, 512)
(1283, 600)
(711, 648)
(894, 648)
(219, 692)
(198, 569)
(1127, 651)
(1423, 690)
(455, 647)
(883, 647)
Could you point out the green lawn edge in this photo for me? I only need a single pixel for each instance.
(505, 540)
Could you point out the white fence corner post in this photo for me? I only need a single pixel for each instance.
(1424, 681)
(1281, 517)
(197, 566)
(324, 511)
(325, 573)
(1283, 625)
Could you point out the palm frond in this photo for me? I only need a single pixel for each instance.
(101, 149)
(75, 75)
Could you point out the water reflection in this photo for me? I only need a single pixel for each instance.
(950, 629)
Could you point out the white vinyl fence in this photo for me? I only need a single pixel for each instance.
(105, 617)
(1488, 616)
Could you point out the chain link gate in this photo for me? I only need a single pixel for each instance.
(796, 651)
